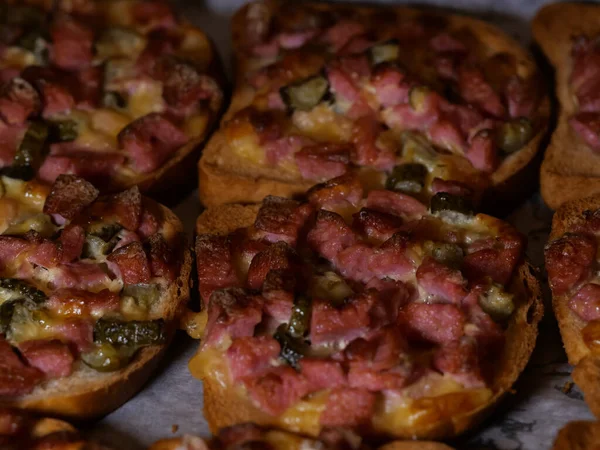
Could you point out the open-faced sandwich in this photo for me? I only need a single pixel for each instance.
(579, 435)
(378, 314)
(90, 290)
(20, 430)
(119, 93)
(572, 263)
(250, 436)
(418, 101)
(569, 36)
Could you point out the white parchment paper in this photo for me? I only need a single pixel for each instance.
(544, 400)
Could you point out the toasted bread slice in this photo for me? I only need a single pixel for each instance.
(225, 177)
(570, 169)
(587, 364)
(579, 435)
(225, 406)
(88, 393)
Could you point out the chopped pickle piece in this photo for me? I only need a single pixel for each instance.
(292, 349)
(31, 152)
(417, 148)
(384, 52)
(418, 96)
(64, 131)
(443, 202)
(105, 231)
(330, 286)
(513, 135)
(304, 95)
(108, 358)
(96, 248)
(300, 319)
(13, 289)
(112, 99)
(131, 333)
(497, 302)
(446, 253)
(137, 299)
(36, 41)
(408, 178)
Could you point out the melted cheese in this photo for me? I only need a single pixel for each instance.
(323, 124)
(244, 142)
(145, 98)
(17, 57)
(432, 400)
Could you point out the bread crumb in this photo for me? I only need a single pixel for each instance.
(174, 428)
(567, 387)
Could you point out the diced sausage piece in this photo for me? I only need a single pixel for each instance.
(379, 352)
(392, 294)
(376, 225)
(12, 422)
(89, 88)
(460, 360)
(92, 166)
(340, 34)
(323, 161)
(282, 148)
(362, 263)
(440, 281)
(436, 322)
(330, 235)
(231, 312)
(80, 275)
(476, 90)
(482, 152)
(279, 256)
(451, 187)
(352, 320)
(497, 257)
(78, 302)
(278, 302)
(379, 380)
(46, 254)
(150, 222)
(153, 14)
(72, 45)
(585, 71)
(418, 117)
(446, 134)
(10, 139)
(443, 42)
(348, 407)
(587, 126)
(56, 97)
(10, 248)
(69, 196)
(150, 140)
(132, 263)
(586, 302)
(125, 208)
(78, 332)
(251, 356)
(365, 151)
(277, 390)
(215, 264)
(346, 91)
(163, 256)
(18, 101)
(184, 88)
(52, 357)
(71, 242)
(569, 260)
(391, 86)
(395, 203)
(229, 437)
(322, 374)
(281, 219)
(521, 96)
(340, 191)
(15, 377)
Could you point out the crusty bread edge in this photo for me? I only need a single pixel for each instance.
(550, 25)
(98, 399)
(587, 366)
(516, 175)
(225, 407)
(578, 435)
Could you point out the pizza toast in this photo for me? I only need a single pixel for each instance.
(123, 94)
(570, 258)
(571, 167)
(229, 176)
(88, 312)
(225, 405)
(578, 435)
